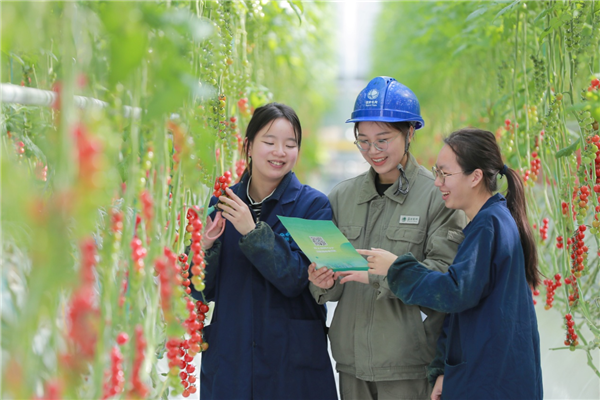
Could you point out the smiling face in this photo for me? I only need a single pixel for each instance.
(274, 151)
(457, 189)
(385, 162)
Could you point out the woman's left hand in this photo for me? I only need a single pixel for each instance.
(379, 260)
(237, 212)
(352, 276)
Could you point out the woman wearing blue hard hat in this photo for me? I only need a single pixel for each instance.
(381, 346)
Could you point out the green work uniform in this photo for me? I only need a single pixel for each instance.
(375, 336)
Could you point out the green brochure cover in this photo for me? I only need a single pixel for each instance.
(324, 244)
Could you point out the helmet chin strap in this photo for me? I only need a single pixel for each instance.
(403, 183)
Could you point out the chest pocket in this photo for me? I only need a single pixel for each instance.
(352, 233)
(403, 239)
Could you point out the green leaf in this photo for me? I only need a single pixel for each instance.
(543, 14)
(460, 48)
(578, 107)
(567, 151)
(298, 9)
(16, 57)
(476, 13)
(199, 28)
(554, 23)
(507, 8)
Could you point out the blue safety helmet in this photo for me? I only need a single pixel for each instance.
(387, 100)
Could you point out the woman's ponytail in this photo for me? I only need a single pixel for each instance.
(515, 200)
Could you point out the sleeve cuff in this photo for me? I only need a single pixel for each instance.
(433, 373)
(260, 226)
(214, 248)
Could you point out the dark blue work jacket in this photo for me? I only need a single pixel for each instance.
(490, 345)
(267, 338)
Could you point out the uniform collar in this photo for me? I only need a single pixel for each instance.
(286, 192)
(368, 191)
(497, 198)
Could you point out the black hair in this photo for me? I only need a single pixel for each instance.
(478, 149)
(262, 117)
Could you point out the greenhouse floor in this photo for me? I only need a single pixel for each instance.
(566, 374)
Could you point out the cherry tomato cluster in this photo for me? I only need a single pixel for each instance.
(82, 311)
(579, 252)
(580, 202)
(88, 152)
(178, 141)
(240, 167)
(20, 148)
(26, 78)
(565, 208)
(138, 388)
(147, 206)
(138, 252)
(532, 113)
(596, 223)
(534, 292)
(551, 286)
(243, 106)
(509, 127)
(146, 166)
(184, 272)
(41, 171)
(169, 278)
(124, 285)
(533, 172)
(198, 265)
(194, 325)
(573, 290)
(594, 85)
(115, 378)
(222, 183)
(116, 220)
(180, 363)
(571, 339)
(544, 229)
(559, 242)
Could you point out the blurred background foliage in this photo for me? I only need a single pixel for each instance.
(179, 81)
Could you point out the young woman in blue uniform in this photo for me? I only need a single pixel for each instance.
(489, 347)
(267, 336)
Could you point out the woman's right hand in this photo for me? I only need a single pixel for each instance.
(322, 277)
(436, 394)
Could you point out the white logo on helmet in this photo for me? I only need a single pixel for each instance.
(373, 94)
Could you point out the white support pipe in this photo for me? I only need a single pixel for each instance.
(10, 93)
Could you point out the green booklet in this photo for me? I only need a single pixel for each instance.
(324, 244)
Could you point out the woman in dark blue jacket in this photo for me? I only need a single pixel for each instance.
(267, 338)
(489, 347)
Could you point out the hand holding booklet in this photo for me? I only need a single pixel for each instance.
(324, 244)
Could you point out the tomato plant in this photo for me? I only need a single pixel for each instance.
(139, 107)
(529, 72)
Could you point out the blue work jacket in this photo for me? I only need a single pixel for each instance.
(490, 346)
(267, 338)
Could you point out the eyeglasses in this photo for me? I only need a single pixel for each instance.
(438, 173)
(380, 145)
